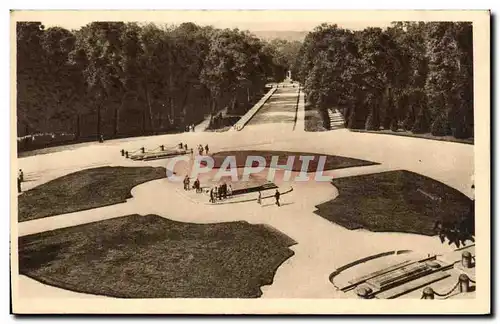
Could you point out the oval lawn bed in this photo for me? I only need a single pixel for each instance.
(153, 257)
(332, 162)
(397, 201)
(82, 190)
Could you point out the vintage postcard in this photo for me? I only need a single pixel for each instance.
(250, 162)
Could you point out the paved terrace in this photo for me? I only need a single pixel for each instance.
(322, 245)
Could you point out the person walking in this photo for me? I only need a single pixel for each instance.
(224, 190)
(185, 147)
(259, 198)
(206, 149)
(197, 185)
(277, 196)
(212, 200)
(186, 182)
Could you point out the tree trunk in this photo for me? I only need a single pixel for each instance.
(148, 99)
(172, 112)
(117, 115)
(170, 89)
(99, 120)
(144, 121)
(233, 102)
(184, 104)
(77, 131)
(213, 104)
(115, 121)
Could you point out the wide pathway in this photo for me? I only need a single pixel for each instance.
(321, 245)
(279, 113)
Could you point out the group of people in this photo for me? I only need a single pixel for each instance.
(217, 192)
(196, 184)
(220, 192)
(201, 149)
(277, 196)
(190, 128)
(182, 146)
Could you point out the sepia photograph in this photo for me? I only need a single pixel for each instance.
(250, 162)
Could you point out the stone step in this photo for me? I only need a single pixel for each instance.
(412, 285)
(336, 119)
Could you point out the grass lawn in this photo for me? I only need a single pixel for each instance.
(314, 122)
(83, 190)
(225, 124)
(395, 201)
(332, 161)
(153, 257)
(425, 136)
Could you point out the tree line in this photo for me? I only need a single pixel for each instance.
(413, 76)
(124, 79)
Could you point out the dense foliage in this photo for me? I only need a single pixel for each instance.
(414, 76)
(124, 79)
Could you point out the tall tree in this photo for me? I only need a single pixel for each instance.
(101, 43)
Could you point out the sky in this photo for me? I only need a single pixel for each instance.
(257, 20)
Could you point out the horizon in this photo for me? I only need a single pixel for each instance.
(240, 26)
(253, 21)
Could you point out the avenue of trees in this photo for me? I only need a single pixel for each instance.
(414, 76)
(125, 79)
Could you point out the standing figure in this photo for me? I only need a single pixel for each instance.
(192, 127)
(212, 199)
(185, 147)
(196, 184)
(18, 185)
(186, 182)
(277, 196)
(219, 192)
(229, 190)
(206, 149)
(224, 190)
(21, 175)
(259, 198)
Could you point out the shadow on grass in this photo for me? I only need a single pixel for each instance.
(332, 162)
(152, 257)
(82, 190)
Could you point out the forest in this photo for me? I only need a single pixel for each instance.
(413, 76)
(119, 79)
